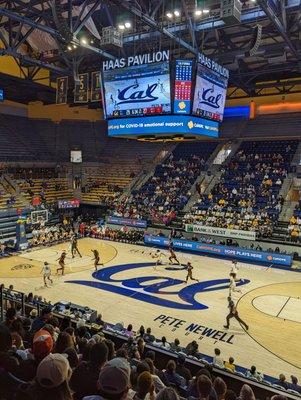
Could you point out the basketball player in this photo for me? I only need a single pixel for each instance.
(232, 285)
(234, 267)
(46, 270)
(74, 248)
(173, 257)
(158, 256)
(233, 313)
(61, 261)
(189, 273)
(96, 258)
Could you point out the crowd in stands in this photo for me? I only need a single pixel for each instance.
(47, 358)
(167, 191)
(247, 195)
(294, 227)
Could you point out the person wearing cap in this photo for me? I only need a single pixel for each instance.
(51, 380)
(41, 347)
(113, 384)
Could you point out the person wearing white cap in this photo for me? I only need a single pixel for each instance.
(113, 382)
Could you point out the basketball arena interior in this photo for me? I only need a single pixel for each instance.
(150, 199)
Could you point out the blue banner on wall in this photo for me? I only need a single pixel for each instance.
(168, 124)
(232, 252)
(137, 223)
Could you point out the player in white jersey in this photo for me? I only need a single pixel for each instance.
(158, 256)
(232, 285)
(234, 268)
(46, 270)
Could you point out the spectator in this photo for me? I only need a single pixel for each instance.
(148, 337)
(230, 395)
(145, 387)
(159, 385)
(63, 342)
(167, 394)
(41, 348)
(282, 381)
(51, 381)
(246, 393)
(220, 388)
(294, 385)
(182, 370)
(217, 359)
(230, 364)
(204, 386)
(171, 375)
(113, 384)
(253, 374)
(175, 346)
(39, 322)
(129, 331)
(84, 378)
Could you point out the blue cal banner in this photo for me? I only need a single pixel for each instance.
(233, 252)
(137, 223)
(174, 124)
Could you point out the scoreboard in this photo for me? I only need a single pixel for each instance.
(182, 87)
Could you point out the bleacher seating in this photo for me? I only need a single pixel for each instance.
(247, 195)
(124, 160)
(167, 191)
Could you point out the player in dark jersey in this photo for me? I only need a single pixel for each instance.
(61, 261)
(96, 258)
(173, 257)
(74, 248)
(233, 313)
(189, 273)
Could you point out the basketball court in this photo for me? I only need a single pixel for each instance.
(129, 289)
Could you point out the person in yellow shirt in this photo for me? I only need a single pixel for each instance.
(293, 220)
(230, 364)
(222, 202)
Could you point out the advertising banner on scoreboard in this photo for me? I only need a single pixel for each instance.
(210, 94)
(137, 223)
(216, 231)
(61, 90)
(167, 124)
(81, 89)
(95, 86)
(238, 253)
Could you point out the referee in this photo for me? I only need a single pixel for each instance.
(233, 313)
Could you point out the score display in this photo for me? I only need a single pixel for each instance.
(183, 85)
(137, 91)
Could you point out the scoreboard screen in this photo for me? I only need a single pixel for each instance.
(182, 86)
(137, 91)
(1, 95)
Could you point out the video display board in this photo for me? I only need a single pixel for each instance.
(209, 94)
(137, 90)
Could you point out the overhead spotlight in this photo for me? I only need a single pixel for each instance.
(127, 25)
(177, 13)
(253, 1)
(198, 13)
(206, 11)
(83, 41)
(74, 46)
(121, 27)
(69, 47)
(169, 15)
(92, 41)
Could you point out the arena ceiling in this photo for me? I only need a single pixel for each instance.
(37, 33)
